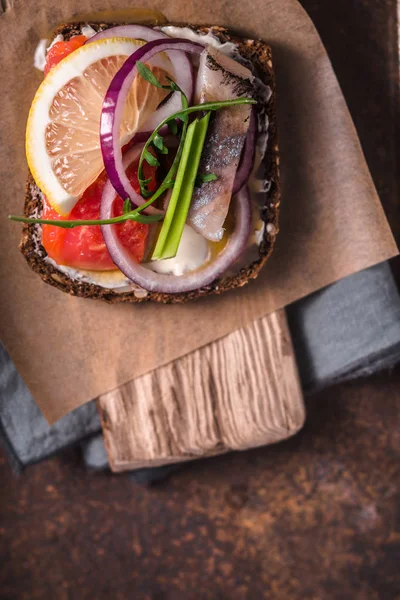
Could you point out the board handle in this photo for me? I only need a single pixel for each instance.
(238, 392)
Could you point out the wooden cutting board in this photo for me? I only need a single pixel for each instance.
(238, 392)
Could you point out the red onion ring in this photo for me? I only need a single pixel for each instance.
(136, 32)
(133, 153)
(129, 157)
(171, 284)
(113, 107)
(180, 62)
(247, 159)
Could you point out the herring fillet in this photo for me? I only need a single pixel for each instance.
(220, 78)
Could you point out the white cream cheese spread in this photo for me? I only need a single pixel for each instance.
(207, 39)
(192, 253)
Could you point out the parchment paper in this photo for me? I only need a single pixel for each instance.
(71, 350)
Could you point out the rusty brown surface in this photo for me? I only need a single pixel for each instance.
(316, 517)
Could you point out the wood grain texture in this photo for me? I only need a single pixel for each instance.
(239, 392)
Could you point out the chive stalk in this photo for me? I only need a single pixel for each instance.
(178, 208)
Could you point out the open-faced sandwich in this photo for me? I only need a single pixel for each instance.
(153, 162)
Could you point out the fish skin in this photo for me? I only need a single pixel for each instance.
(220, 78)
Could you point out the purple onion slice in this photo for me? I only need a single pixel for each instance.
(183, 74)
(172, 284)
(113, 107)
(247, 159)
(136, 32)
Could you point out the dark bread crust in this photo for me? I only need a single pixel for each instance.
(259, 53)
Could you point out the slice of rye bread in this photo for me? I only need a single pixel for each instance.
(260, 55)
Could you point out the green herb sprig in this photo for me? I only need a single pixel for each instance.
(157, 140)
(178, 207)
(133, 215)
(176, 222)
(204, 178)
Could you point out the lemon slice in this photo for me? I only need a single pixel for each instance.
(62, 134)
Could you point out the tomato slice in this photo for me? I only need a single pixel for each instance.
(83, 247)
(60, 50)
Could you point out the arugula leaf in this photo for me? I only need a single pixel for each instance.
(151, 160)
(143, 186)
(173, 127)
(127, 206)
(174, 167)
(173, 85)
(182, 116)
(200, 179)
(158, 142)
(148, 75)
